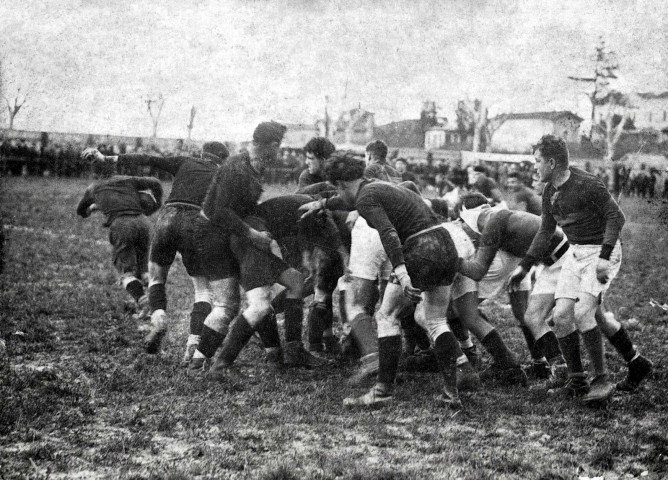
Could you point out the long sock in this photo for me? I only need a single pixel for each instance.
(552, 348)
(157, 297)
(503, 357)
(240, 333)
(197, 316)
(268, 331)
(343, 315)
(593, 341)
(389, 352)
(447, 350)
(210, 341)
(364, 334)
(135, 289)
(623, 344)
(570, 347)
(548, 346)
(329, 318)
(278, 303)
(294, 315)
(316, 325)
(531, 343)
(414, 333)
(458, 328)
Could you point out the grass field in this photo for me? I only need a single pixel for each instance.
(80, 399)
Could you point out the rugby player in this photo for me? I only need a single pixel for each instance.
(504, 238)
(174, 232)
(423, 259)
(237, 250)
(581, 205)
(119, 199)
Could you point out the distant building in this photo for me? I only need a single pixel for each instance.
(440, 137)
(401, 134)
(354, 127)
(650, 111)
(516, 132)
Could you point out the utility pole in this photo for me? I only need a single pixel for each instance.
(326, 116)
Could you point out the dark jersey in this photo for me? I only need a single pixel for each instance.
(396, 212)
(584, 209)
(382, 171)
(282, 218)
(511, 231)
(233, 195)
(192, 176)
(118, 196)
(306, 179)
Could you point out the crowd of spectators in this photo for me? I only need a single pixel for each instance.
(434, 177)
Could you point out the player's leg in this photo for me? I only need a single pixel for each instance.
(389, 350)
(639, 366)
(201, 309)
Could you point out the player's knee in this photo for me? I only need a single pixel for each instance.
(293, 282)
(388, 325)
(220, 317)
(435, 327)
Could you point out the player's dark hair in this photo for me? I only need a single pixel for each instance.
(473, 200)
(480, 168)
(378, 149)
(551, 146)
(217, 149)
(514, 175)
(344, 167)
(320, 147)
(402, 160)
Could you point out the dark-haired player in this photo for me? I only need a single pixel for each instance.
(424, 261)
(119, 199)
(317, 151)
(237, 250)
(591, 219)
(174, 232)
(521, 197)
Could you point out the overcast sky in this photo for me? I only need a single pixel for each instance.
(86, 65)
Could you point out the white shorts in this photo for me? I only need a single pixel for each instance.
(547, 277)
(578, 274)
(465, 249)
(368, 259)
(494, 281)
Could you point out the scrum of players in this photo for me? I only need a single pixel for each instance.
(411, 272)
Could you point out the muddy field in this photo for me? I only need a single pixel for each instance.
(80, 399)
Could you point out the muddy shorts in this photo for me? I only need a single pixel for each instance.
(223, 256)
(431, 258)
(130, 236)
(175, 232)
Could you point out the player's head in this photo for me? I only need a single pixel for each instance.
(470, 208)
(401, 165)
(376, 152)
(317, 151)
(267, 139)
(514, 182)
(551, 154)
(217, 149)
(343, 170)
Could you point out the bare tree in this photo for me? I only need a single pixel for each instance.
(193, 111)
(14, 106)
(605, 70)
(616, 104)
(154, 107)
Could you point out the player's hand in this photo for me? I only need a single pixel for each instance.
(92, 155)
(311, 207)
(602, 269)
(410, 292)
(261, 240)
(516, 278)
(351, 219)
